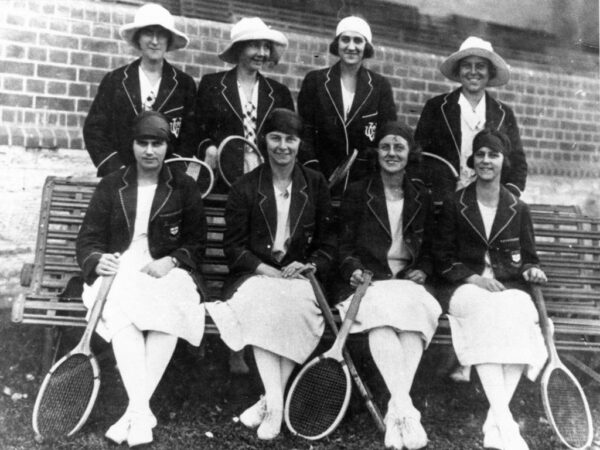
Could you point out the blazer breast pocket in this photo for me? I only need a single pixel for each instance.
(170, 225)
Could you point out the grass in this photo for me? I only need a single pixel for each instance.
(197, 401)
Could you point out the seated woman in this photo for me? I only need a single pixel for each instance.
(485, 247)
(146, 224)
(278, 221)
(386, 229)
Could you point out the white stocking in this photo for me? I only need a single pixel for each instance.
(272, 371)
(159, 349)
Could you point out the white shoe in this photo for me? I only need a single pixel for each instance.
(119, 430)
(393, 436)
(270, 426)
(140, 429)
(513, 439)
(254, 415)
(413, 433)
(491, 433)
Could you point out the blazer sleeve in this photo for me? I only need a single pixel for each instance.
(237, 231)
(325, 237)
(424, 261)
(527, 241)
(193, 245)
(517, 175)
(202, 119)
(350, 215)
(424, 130)
(445, 246)
(97, 133)
(94, 233)
(387, 107)
(188, 140)
(306, 110)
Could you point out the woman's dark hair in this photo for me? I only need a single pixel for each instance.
(136, 36)
(491, 69)
(495, 140)
(397, 129)
(129, 157)
(238, 47)
(283, 120)
(334, 48)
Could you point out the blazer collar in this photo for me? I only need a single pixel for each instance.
(268, 205)
(451, 113)
(131, 85)
(505, 212)
(333, 86)
(128, 194)
(494, 112)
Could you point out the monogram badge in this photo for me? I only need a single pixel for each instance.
(174, 230)
(175, 126)
(516, 256)
(370, 130)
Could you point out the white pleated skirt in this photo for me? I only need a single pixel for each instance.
(496, 327)
(400, 304)
(170, 304)
(276, 314)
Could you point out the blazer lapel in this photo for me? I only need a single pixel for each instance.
(451, 113)
(505, 213)
(376, 203)
(128, 197)
(168, 84)
(333, 88)
(266, 201)
(412, 204)
(299, 199)
(231, 94)
(131, 86)
(494, 112)
(364, 88)
(470, 211)
(265, 101)
(163, 192)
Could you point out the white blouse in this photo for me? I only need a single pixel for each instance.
(398, 256)
(488, 214)
(282, 199)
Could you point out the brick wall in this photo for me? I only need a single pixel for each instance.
(53, 53)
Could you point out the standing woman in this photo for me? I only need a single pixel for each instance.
(386, 221)
(237, 101)
(145, 223)
(149, 83)
(343, 105)
(485, 248)
(278, 221)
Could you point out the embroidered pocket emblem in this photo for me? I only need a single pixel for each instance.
(174, 230)
(516, 256)
(370, 130)
(175, 126)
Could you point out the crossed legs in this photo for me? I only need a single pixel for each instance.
(397, 356)
(142, 361)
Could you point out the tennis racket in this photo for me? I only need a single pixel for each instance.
(320, 393)
(198, 170)
(237, 155)
(362, 387)
(565, 403)
(444, 161)
(341, 171)
(70, 388)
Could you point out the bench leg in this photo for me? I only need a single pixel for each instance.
(582, 366)
(50, 346)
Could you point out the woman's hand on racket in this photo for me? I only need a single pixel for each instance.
(295, 270)
(159, 267)
(489, 284)
(268, 271)
(535, 275)
(417, 275)
(210, 156)
(108, 264)
(356, 278)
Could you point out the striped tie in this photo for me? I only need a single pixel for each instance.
(250, 158)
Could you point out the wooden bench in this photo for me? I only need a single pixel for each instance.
(567, 241)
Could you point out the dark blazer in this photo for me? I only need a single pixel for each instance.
(460, 242)
(177, 223)
(330, 139)
(219, 112)
(251, 223)
(438, 132)
(107, 127)
(366, 235)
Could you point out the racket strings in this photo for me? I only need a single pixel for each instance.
(568, 408)
(318, 398)
(66, 396)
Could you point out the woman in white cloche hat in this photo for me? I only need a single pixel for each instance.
(343, 105)
(149, 83)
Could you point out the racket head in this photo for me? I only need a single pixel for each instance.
(200, 171)
(566, 407)
(67, 396)
(318, 398)
(340, 172)
(230, 157)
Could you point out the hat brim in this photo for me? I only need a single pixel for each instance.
(277, 38)
(502, 69)
(178, 39)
